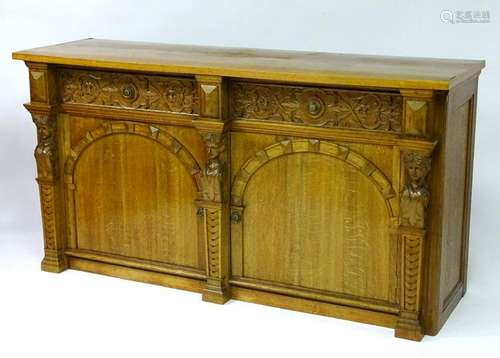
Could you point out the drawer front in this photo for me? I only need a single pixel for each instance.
(129, 91)
(316, 106)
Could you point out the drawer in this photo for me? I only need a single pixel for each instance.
(316, 106)
(128, 91)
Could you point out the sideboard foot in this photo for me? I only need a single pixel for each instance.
(215, 297)
(54, 262)
(216, 292)
(409, 330)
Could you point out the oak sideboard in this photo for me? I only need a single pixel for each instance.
(326, 183)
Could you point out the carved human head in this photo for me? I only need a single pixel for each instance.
(42, 124)
(417, 167)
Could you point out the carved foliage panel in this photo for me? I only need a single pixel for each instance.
(134, 91)
(321, 107)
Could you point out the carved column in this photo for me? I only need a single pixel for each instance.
(41, 107)
(414, 200)
(213, 200)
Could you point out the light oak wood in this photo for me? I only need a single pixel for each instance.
(324, 183)
(293, 66)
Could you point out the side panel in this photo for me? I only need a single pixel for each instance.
(451, 177)
(453, 204)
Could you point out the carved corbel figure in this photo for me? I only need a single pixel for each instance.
(45, 151)
(415, 195)
(214, 168)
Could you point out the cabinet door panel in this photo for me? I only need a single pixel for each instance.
(134, 198)
(313, 221)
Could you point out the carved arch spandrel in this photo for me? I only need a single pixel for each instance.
(293, 146)
(147, 131)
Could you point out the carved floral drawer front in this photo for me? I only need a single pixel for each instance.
(322, 107)
(130, 91)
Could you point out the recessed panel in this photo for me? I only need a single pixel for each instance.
(134, 198)
(315, 222)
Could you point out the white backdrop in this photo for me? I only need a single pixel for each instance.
(81, 314)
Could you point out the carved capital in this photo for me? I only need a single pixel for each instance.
(415, 193)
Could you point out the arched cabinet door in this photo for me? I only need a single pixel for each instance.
(312, 217)
(133, 189)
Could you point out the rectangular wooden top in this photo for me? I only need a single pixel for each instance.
(293, 66)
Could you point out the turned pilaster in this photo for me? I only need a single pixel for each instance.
(43, 99)
(213, 199)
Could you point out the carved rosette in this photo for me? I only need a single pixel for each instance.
(414, 200)
(317, 106)
(158, 93)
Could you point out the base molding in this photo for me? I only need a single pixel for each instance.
(135, 274)
(403, 329)
(315, 307)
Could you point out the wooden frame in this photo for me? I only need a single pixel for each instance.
(326, 191)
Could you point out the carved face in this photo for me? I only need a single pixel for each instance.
(415, 172)
(214, 143)
(42, 125)
(417, 167)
